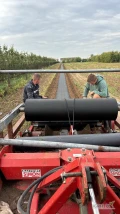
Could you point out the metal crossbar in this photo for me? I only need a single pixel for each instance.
(61, 71)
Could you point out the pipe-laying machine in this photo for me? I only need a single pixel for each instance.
(63, 170)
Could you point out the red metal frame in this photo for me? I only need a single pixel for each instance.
(12, 164)
(72, 160)
(34, 205)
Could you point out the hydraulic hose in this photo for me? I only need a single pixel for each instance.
(35, 185)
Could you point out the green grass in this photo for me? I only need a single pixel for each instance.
(15, 83)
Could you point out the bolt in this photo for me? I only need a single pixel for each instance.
(68, 149)
(69, 159)
(83, 149)
(64, 181)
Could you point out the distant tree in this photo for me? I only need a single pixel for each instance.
(107, 57)
(72, 59)
(84, 60)
(78, 59)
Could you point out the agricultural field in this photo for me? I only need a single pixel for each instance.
(112, 79)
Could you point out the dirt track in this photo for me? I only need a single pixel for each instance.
(72, 89)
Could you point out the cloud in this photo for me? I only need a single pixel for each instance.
(60, 28)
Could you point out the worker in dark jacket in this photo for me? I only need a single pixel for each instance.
(31, 90)
(97, 87)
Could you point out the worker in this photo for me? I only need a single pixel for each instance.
(31, 89)
(97, 87)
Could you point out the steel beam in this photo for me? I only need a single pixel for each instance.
(108, 139)
(56, 145)
(9, 117)
(61, 71)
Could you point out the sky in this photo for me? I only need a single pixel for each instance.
(61, 28)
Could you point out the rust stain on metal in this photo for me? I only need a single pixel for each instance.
(101, 149)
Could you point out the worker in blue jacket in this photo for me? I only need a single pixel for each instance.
(31, 90)
(97, 86)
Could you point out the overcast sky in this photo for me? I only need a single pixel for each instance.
(61, 28)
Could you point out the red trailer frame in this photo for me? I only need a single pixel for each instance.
(73, 174)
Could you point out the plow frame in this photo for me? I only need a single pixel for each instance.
(73, 176)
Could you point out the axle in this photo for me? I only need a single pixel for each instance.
(56, 145)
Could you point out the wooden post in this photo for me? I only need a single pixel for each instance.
(10, 130)
(1, 134)
(17, 126)
(48, 130)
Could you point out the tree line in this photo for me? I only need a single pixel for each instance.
(106, 57)
(11, 59)
(72, 59)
